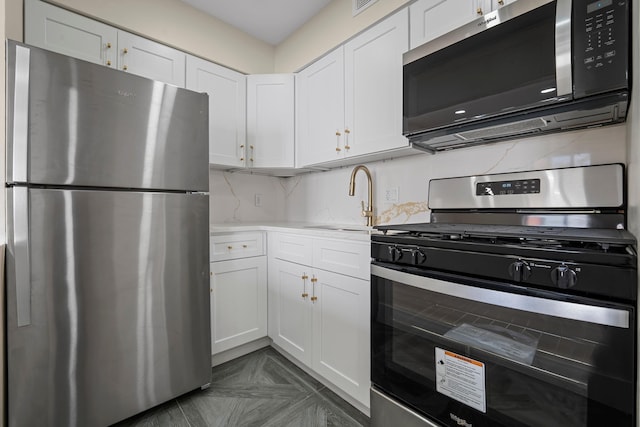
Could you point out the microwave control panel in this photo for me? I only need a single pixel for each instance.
(601, 46)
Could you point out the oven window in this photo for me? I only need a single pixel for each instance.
(539, 370)
(507, 67)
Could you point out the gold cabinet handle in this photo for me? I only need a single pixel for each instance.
(479, 11)
(314, 299)
(314, 280)
(251, 158)
(244, 246)
(125, 50)
(211, 273)
(108, 45)
(338, 135)
(229, 247)
(305, 277)
(108, 63)
(125, 68)
(346, 139)
(501, 2)
(304, 295)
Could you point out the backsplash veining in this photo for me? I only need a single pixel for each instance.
(322, 197)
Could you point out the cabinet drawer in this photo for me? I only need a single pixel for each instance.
(342, 256)
(292, 247)
(236, 245)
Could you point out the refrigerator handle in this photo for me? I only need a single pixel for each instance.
(21, 254)
(20, 125)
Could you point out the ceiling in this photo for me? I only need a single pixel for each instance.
(269, 20)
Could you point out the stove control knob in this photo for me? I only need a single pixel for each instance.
(519, 271)
(394, 253)
(417, 257)
(563, 277)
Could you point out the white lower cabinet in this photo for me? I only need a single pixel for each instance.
(321, 317)
(238, 296)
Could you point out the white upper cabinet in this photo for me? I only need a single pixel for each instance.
(227, 90)
(270, 121)
(432, 18)
(373, 87)
(52, 28)
(320, 108)
(146, 58)
(68, 33)
(350, 101)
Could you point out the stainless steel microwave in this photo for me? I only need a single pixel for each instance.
(530, 67)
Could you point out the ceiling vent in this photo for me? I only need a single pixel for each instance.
(360, 5)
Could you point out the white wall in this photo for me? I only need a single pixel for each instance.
(322, 197)
(633, 145)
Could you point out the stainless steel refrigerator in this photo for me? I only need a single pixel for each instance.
(107, 286)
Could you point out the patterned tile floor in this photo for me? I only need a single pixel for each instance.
(259, 389)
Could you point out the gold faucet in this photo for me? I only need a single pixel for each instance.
(368, 213)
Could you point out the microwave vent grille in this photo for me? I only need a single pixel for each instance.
(360, 5)
(516, 128)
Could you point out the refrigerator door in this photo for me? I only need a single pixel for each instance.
(117, 303)
(75, 123)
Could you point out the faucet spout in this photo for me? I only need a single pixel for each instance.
(368, 212)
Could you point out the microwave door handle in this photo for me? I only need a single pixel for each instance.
(567, 310)
(564, 79)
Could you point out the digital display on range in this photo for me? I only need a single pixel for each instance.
(501, 188)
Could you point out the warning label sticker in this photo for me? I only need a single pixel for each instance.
(461, 379)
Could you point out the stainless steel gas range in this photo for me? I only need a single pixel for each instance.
(514, 306)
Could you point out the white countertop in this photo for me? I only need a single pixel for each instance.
(338, 231)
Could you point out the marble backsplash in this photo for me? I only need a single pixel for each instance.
(323, 196)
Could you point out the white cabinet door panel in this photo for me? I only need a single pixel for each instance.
(343, 256)
(341, 332)
(270, 120)
(320, 108)
(227, 90)
(373, 86)
(290, 311)
(146, 58)
(52, 28)
(238, 302)
(433, 18)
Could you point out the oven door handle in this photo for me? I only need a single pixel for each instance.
(567, 310)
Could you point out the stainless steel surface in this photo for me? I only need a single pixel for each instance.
(18, 204)
(387, 412)
(18, 72)
(564, 78)
(107, 284)
(566, 219)
(562, 309)
(476, 26)
(89, 125)
(120, 297)
(582, 187)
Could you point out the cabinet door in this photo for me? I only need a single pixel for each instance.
(270, 120)
(149, 59)
(373, 87)
(227, 91)
(433, 18)
(238, 302)
(52, 28)
(341, 332)
(290, 308)
(320, 110)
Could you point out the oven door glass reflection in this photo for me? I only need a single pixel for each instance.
(485, 353)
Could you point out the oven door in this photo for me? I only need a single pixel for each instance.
(465, 351)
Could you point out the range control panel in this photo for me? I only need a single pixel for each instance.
(601, 46)
(499, 188)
